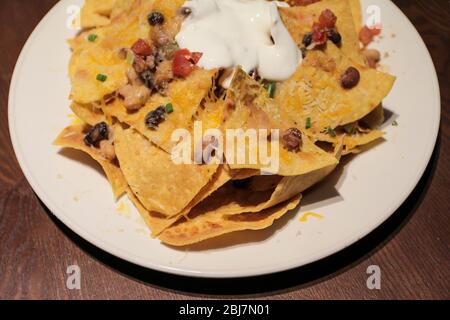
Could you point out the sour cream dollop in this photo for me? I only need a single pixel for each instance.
(248, 33)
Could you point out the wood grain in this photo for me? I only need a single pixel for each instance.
(412, 247)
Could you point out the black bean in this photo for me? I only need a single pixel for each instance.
(155, 18)
(155, 117)
(307, 39)
(148, 79)
(350, 78)
(292, 140)
(96, 134)
(334, 36)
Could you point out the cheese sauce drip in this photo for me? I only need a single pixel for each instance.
(248, 33)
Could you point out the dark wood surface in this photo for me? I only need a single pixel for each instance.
(411, 248)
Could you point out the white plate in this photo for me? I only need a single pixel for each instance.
(368, 190)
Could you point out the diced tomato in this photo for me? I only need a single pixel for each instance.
(142, 48)
(184, 62)
(319, 35)
(196, 56)
(367, 34)
(327, 19)
(376, 29)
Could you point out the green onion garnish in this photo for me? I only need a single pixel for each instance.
(169, 108)
(101, 77)
(130, 58)
(331, 132)
(350, 128)
(271, 89)
(395, 123)
(308, 123)
(92, 37)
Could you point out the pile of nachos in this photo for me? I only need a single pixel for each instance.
(133, 86)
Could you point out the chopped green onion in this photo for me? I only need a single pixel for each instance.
(130, 58)
(92, 37)
(350, 128)
(101, 77)
(395, 123)
(308, 123)
(271, 89)
(331, 132)
(169, 108)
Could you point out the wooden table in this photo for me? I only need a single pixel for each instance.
(411, 248)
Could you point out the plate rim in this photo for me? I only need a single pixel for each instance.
(237, 273)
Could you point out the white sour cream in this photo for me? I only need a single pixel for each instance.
(248, 33)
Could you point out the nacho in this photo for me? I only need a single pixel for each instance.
(316, 93)
(155, 221)
(101, 57)
(253, 109)
(185, 97)
(299, 21)
(159, 183)
(262, 192)
(147, 69)
(97, 13)
(73, 137)
(355, 7)
(88, 113)
(207, 226)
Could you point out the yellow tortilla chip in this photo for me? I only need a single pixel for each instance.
(316, 93)
(156, 222)
(207, 226)
(355, 6)
(159, 183)
(101, 57)
(253, 109)
(232, 199)
(73, 137)
(351, 142)
(299, 21)
(97, 13)
(88, 113)
(185, 96)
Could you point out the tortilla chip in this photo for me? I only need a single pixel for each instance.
(73, 137)
(159, 183)
(355, 6)
(88, 113)
(156, 222)
(233, 199)
(102, 56)
(351, 141)
(97, 13)
(253, 109)
(299, 21)
(185, 96)
(315, 93)
(207, 226)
